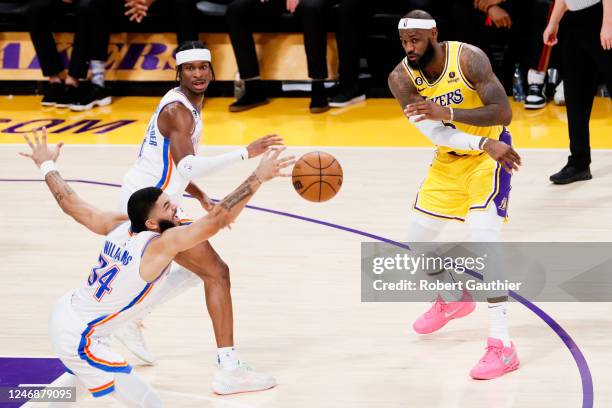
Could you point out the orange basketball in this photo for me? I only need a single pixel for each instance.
(317, 176)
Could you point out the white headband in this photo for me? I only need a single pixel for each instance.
(198, 54)
(408, 23)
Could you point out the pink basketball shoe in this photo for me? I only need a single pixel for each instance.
(497, 361)
(442, 312)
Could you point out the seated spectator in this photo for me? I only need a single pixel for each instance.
(241, 13)
(90, 48)
(525, 21)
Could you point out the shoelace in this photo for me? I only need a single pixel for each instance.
(437, 307)
(492, 353)
(534, 89)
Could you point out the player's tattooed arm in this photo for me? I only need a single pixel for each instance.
(402, 88)
(178, 239)
(98, 221)
(477, 69)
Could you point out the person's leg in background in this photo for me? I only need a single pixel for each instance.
(602, 59)
(94, 17)
(46, 49)
(185, 22)
(579, 89)
(312, 14)
(240, 14)
(530, 19)
(350, 34)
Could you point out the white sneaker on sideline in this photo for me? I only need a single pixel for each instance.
(241, 379)
(131, 336)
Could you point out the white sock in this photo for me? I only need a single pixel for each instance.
(498, 314)
(227, 358)
(97, 72)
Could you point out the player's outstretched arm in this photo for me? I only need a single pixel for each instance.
(176, 122)
(174, 240)
(100, 222)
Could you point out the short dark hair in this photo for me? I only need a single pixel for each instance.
(419, 15)
(140, 205)
(191, 45)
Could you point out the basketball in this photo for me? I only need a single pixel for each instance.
(317, 176)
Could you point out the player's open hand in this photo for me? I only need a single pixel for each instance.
(41, 152)
(262, 144)
(426, 109)
(502, 153)
(271, 164)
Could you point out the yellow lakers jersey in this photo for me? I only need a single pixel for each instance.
(453, 89)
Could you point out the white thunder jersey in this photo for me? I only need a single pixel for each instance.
(155, 166)
(114, 291)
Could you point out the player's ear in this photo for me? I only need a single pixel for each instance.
(151, 224)
(434, 34)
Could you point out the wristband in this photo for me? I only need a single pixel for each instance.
(482, 142)
(46, 167)
(452, 113)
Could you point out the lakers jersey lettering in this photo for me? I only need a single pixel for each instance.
(452, 88)
(453, 97)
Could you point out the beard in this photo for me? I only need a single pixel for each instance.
(165, 225)
(425, 58)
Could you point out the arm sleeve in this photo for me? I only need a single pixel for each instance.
(447, 136)
(191, 167)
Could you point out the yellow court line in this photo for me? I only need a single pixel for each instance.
(375, 122)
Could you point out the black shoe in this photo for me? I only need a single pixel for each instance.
(569, 174)
(254, 95)
(54, 92)
(68, 96)
(90, 96)
(347, 96)
(318, 99)
(536, 96)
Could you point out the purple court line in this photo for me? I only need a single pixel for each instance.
(583, 366)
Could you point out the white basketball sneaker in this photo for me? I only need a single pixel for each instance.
(131, 337)
(241, 379)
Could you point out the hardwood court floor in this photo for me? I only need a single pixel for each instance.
(296, 287)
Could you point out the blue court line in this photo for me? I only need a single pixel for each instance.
(583, 367)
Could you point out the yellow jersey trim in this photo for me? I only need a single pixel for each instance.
(463, 78)
(443, 74)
